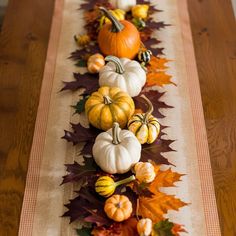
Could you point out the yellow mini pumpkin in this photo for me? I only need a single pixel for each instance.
(144, 227)
(118, 207)
(145, 126)
(82, 40)
(140, 11)
(118, 14)
(95, 63)
(144, 172)
(106, 186)
(109, 105)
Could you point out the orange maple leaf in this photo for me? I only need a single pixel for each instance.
(158, 78)
(158, 205)
(177, 229)
(157, 63)
(165, 178)
(156, 74)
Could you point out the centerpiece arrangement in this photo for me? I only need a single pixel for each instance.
(118, 185)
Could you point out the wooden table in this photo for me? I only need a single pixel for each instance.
(23, 47)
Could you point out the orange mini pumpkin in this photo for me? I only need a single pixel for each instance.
(120, 38)
(118, 207)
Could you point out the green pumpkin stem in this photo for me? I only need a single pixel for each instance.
(116, 25)
(150, 108)
(119, 67)
(115, 134)
(125, 181)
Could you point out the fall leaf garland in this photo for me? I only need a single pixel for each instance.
(147, 199)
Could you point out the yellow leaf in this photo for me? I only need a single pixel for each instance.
(158, 205)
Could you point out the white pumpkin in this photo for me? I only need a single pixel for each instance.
(126, 74)
(124, 5)
(144, 227)
(116, 151)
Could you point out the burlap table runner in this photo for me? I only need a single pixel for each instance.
(44, 198)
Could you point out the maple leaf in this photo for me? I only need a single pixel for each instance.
(153, 151)
(157, 63)
(155, 207)
(126, 228)
(141, 189)
(91, 16)
(154, 96)
(80, 105)
(84, 53)
(83, 232)
(87, 204)
(158, 78)
(156, 25)
(81, 134)
(165, 178)
(163, 228)
(81, 63)
(87, 81)
(77, 172)
(177, 229)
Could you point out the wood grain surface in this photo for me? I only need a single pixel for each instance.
(23, 46)
(214, 35)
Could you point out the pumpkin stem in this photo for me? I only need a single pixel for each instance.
(119, 67)
(150, 108)
(115, 133)
(125, 181)
(107, 100)
(116, 25)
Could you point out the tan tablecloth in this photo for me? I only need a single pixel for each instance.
(44, 198)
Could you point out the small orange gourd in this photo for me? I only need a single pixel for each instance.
(120, 38)
(95, 63)
(118, 208)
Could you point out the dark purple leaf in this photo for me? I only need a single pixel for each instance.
(154, 96)
(154, 25)
(154, 151)
(82, 173)
(141, 189)
(87, 81)
(81, 134)
(84, 53)
(87, 204)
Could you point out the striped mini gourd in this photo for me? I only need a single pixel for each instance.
(106, 186)
(144, 125)
(145, 56)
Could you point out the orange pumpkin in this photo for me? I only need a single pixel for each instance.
(118, 207)
(119, 38)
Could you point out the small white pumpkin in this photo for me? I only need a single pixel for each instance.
(116, 151)
(144, 227)
(125, 5)
(126, 74)
(144, 172)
